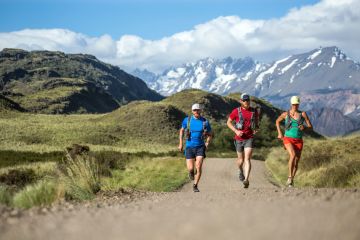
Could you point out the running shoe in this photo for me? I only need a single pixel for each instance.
(241, 175)
(195, 188)
(191, 175)
(246, 183)
(290, 182)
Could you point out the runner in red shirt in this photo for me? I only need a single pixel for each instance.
(246, 125)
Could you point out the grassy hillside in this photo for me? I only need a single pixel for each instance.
(55, 82)
(8, 105)
(354, 133)
(135, 146)
(324, 163)
(146, 122)
(135, 127)
(216, 107)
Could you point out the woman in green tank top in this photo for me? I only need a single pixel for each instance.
(292, 125)
(294, 128)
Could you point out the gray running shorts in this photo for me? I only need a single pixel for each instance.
(240, 145)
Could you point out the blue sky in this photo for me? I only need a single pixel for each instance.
(147, 19)
(158, 34)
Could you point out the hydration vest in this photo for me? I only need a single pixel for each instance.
(188, 130)
(288, 123)
(240, 124)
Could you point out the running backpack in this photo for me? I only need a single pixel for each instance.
(288, 124)
(188, 131)
(240, 124)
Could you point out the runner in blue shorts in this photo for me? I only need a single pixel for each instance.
(198, 136)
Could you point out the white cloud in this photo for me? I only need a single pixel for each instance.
(327, 23)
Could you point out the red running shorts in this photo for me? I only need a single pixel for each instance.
(296, 142)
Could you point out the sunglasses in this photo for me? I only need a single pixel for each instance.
(196, 110)
(246, 100)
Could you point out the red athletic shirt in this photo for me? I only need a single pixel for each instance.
(247, 132)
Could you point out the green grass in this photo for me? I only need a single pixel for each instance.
(156, 174)
(38, 137)
(5, 195)
(324, 163)
(134, 146)
(51, 99)
(43, 193)
(139, 126)
(81, 176)
(12, 158)
(21, 175)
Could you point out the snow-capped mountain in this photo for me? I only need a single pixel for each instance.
(324, 69)
(217, 76)
(324, 78)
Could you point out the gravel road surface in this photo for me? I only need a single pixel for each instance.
(222, 210)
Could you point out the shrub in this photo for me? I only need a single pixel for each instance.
(19, 177)
(5, 195)
(223, 138)
(267, 135)
(43, 193)
(81, 177)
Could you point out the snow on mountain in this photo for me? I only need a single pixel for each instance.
(325, 75)
(312, 71)
(315, 54)
(288, 66)
(218, 76)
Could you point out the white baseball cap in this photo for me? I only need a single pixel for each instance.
(196, 106)
(295, 100)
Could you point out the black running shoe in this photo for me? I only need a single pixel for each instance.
(195, 188)
(246, 183)
(191, 175)
(241, 175)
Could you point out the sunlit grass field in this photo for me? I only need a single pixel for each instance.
(135, 147)
(123, 154)
(324, 163)
(47, 133)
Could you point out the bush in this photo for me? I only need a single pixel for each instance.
(5, 195)
(18, 177)
(42, 193)
(267, 135)
(81, 177)
(223, 138)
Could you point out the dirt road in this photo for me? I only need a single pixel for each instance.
(222, 210)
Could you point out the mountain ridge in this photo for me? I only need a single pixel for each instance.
(55, 82)
(323, 78)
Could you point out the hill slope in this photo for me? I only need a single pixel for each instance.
(9, 105)
(331, 122)
(323, 77)
(54, 82)
(140, 126)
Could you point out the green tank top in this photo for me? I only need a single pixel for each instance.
(293, 131)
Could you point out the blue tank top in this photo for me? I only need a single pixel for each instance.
(196, 131)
